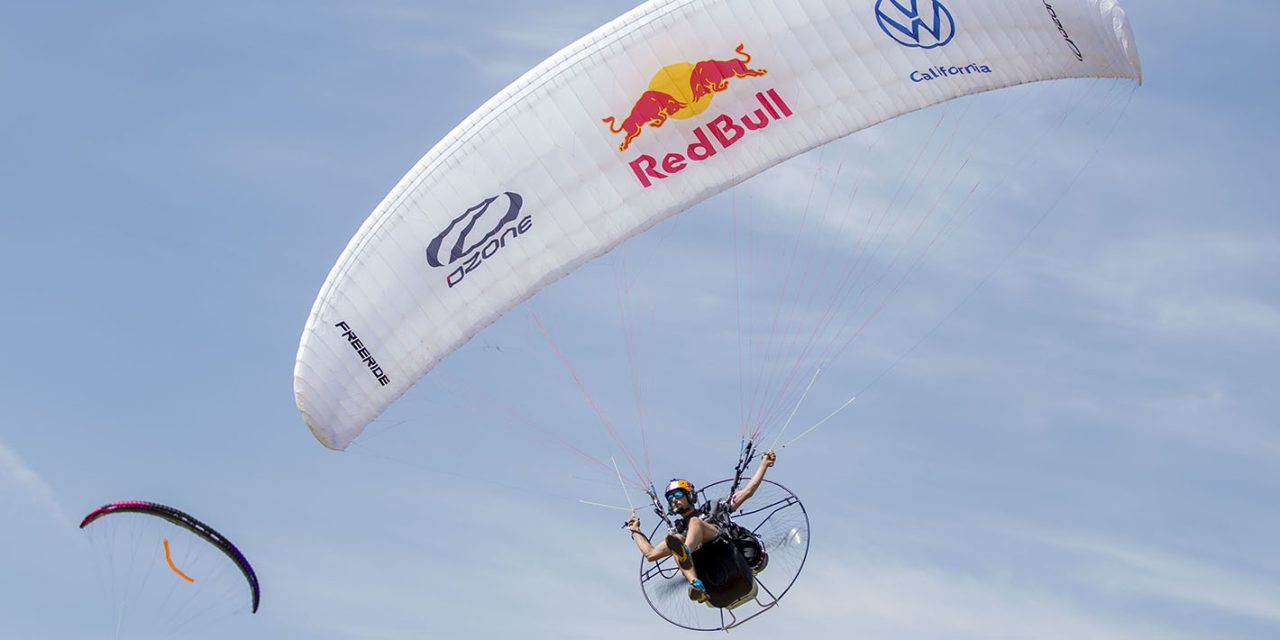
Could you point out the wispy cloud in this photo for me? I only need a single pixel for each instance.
(445, 565)
(988, 577)
(1128, 570)
(24, 489)
(893, 597)
(504, 53)
(1192, 284)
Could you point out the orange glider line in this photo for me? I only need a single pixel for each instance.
(169, 559)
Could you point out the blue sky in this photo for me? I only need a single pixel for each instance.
(1086, 448)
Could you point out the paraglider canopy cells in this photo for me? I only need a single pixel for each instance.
(647, 116)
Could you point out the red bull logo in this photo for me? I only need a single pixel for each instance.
(681, 91)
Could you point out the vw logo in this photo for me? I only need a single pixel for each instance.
(463, 228)
(925, 24)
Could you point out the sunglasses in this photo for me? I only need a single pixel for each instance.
(678, 493)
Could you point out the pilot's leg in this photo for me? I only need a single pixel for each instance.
(676, 540)
(700, 531)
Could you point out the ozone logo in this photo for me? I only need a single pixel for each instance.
(494, 217)
(926, 24)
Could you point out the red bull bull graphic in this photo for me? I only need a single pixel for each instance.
(710, 77)
(681, 91)
(653, 108)
(725, 131)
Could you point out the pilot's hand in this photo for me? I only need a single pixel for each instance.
(768, 458)
(633, 523)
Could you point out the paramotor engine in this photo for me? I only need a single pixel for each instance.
(776, 517)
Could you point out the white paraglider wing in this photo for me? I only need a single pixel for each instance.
(661, 108)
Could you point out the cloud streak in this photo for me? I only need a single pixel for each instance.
(994, 578)
(1137, 572)
(20, 481)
